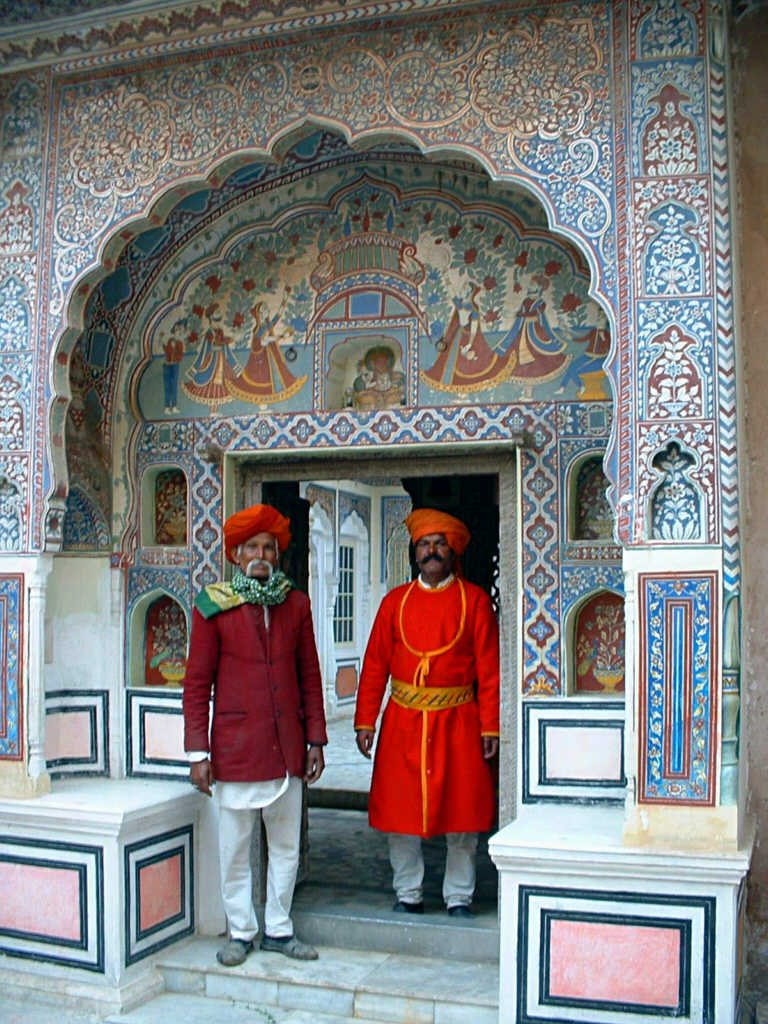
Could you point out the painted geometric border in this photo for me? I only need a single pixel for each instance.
(11, 655)
(140, 943)
(88, 863)
(538, 785)
(96, 703)
(138, 704)
(678, 688)
(694, 917)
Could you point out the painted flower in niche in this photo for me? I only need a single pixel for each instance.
(601, 645)
(170, 637)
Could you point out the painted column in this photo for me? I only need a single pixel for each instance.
(22, 612)
(674, 751)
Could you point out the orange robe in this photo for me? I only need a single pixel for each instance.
(429, 774)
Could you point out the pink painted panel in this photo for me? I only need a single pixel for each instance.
(40, 900)
(617, 963)
(159, 891)
(67, 734)
(163, 736)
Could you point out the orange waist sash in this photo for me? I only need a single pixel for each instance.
(430, 698)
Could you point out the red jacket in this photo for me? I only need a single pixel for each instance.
(267, 690)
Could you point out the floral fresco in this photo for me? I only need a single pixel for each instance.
(468, 298)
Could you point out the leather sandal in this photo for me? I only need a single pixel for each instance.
(234, 952)
(288, 946)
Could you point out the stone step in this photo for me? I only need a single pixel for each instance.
(173, 1008)
(349, 919)
(344, 983)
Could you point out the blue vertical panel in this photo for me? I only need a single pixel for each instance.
(677, 688)
(11, 632)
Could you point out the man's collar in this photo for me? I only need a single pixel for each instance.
(437, 586)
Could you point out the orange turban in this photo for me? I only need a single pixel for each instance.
(428, 520)
(257, 519)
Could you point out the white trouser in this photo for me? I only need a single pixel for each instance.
(407, 859)
(282, 822)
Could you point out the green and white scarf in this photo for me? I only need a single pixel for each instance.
(221, 597)
(269, 592)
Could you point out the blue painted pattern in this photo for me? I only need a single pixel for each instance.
(679, 709)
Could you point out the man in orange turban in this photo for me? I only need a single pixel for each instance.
(435, 641)
(243, 525)
(253, 647)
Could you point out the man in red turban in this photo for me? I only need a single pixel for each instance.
(435, 641)
(253, 647)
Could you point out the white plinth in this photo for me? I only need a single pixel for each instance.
(97, 877)
(595, 930)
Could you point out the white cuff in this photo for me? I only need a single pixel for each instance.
(197, 755)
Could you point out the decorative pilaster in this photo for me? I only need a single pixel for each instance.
(23, 584)
(674, 750)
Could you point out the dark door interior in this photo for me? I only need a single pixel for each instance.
(474, 500)
(284, 496)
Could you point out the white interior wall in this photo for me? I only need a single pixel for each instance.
(84, 635)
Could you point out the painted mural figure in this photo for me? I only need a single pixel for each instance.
(532, 345)
(173, 353)
(265, 377)
(586, 370)
(378, 385)
(466, 361)
(215, 365)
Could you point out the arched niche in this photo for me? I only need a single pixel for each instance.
(366, 372)
(164, 507)
(677, 506)
(596, 633)
(158, 641)
(590, 516)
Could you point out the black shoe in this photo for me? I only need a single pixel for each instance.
(460, 910)
(408, 908)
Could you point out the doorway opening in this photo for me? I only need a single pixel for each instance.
(350, 548)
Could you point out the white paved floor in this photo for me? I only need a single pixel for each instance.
(345, 766)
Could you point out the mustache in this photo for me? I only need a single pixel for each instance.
(257, 563)
(430, 558)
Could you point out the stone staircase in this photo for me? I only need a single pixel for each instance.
(343, 985)
(375, 965)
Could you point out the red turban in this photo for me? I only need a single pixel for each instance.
(257, 519)
(424, 521)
